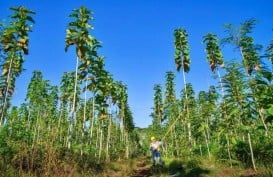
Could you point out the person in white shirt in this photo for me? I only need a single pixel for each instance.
(155, 149)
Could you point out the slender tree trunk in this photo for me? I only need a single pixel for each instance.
(73, 112)
(173, 146)
(93, 119)
(108, 137)
(221, 84)
(229, 155)
(122, 130)
(127, 145)
(75, 86)
(28, 126)
(6, 92)
(251, 151)
(84, 117)
(187, 108)
(97, 139)
(200, 149)
(117, 131)
(28, 119)
(262, 119)
(59, 128)
(100, 148)
(176, 144)
(190, 138)
(36, 129)
(69, 135)
(207, 143)
(208, 129)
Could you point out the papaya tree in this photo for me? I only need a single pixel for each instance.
(182, 60)
(214, 55)
(182, 53)
(170, 96)
(158, 107)
(188, 101)
(239, 37)
(78, 34)
(203, 129)
(171, 113)
(14, 40)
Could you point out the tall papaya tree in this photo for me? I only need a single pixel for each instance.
(66, 103)
(238, 105)
(87, 73)
(122, 98)
(188, 101)
(14, 40)
(52, 112)
(182, 52)
(97, 69)
(105, 89)
(240, 118)
(158, 106)
(38, 98)
(214, 55)
(171, 109)
(215, 59)
(239, 37)
(214, 113)
(129, 127)
(170, 96)
(78, 34)
(182, 60)
(203, 110)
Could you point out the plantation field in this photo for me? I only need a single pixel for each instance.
(210, 116)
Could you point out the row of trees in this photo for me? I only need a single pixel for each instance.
(232, 120)
(87, 116)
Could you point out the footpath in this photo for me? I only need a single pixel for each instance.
(142, 170)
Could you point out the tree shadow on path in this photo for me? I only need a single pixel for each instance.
(189, 169)
(175, 169)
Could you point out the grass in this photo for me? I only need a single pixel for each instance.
(190, 167)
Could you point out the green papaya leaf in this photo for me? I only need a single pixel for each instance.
(233, 140)
(270, 110)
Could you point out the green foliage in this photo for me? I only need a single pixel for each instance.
(14, 42)
(238, 36)
(174, 165)
(78, 32)
(269, 52)
(158, 106)
(182, 51)
(214, 54)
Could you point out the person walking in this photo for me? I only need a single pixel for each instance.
(155, 150)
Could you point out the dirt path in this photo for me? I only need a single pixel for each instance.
(142, 170)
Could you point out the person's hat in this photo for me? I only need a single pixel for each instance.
(152, 138)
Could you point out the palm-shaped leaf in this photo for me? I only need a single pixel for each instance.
(214, 54)
(182, 56)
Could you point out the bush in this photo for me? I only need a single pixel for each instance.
(262, 150)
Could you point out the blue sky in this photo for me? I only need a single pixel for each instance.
(137, 39)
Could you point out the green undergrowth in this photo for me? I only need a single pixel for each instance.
(205, 167)
(175, 167)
